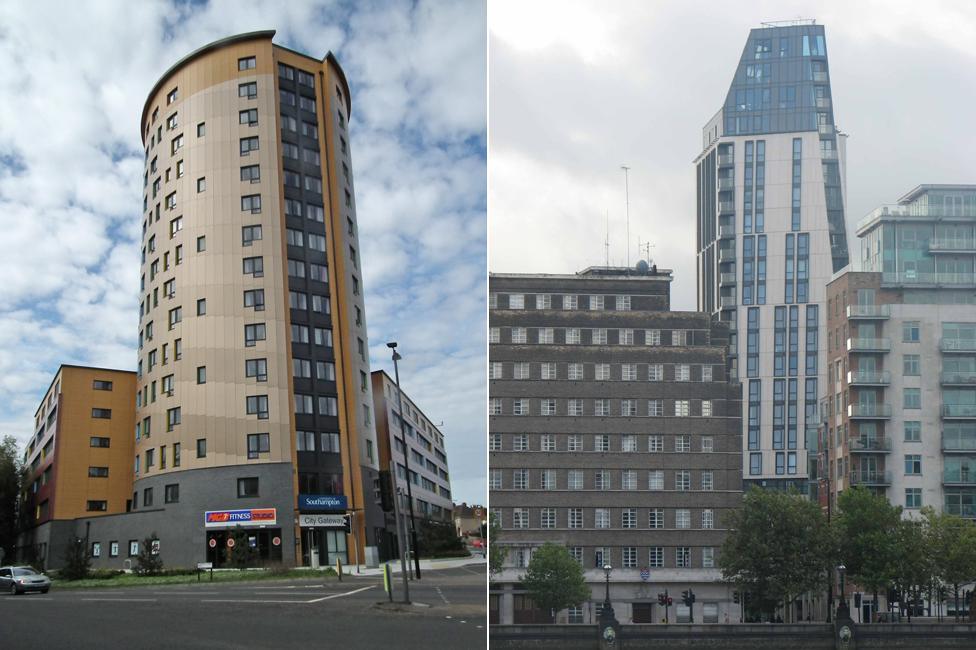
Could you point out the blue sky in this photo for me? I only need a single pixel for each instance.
(71, 95)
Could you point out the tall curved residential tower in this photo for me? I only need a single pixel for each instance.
(771, 232)
(254, 403)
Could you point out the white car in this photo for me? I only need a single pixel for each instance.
(18, 579)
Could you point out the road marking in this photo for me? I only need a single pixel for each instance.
(347, 593)
(186, 593)
(443, 597)
(21, 598)
(123, 600)
(253, 600)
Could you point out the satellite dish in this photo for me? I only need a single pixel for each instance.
(642, 267)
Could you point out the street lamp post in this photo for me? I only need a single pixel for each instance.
(406, 458)
(402, 543)
(843, 598)
(607, 609)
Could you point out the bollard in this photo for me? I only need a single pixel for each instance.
(388, 581)
(339, 569)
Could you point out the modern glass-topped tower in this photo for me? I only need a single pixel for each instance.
(771, 232)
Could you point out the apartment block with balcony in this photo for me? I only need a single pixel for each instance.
(900, 402)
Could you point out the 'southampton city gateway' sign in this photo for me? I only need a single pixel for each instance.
(324, 521)
(327, 502)
(231, 518)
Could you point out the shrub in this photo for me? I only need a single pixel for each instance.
(77, 562)
(149, 563)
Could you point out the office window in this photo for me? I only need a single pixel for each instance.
(655, 372)
(628, 372)
(656, 557)
(708, 519)
(97, 472)
(202, 307)
(247, 487)
(655, 479)
(547, 518)
(516, 301)
(99, 441)
(679, 337)
(623, 303)
(629, 559)
(682, 443)
(201, 129)
(682, 518)
(575, 518)
(708, 560)
(520, 442)
(683, 557)
(655, 407)
(570, 302)
(598, 336)
(574, 372)
(911, 365)
(258, 443)
(652, 337)
(171, 493)
(173, 418)
(101, 384)
(520, 517)
(682, 407)
(201, 447)
(655, 443)
(707, 444)
(247, 63)
(682, 372)
(913, 464)
(682, 480)
(101, 414)
(574, 443)
(706, 408)
(201, 243)
(601, 518)
(147, 497)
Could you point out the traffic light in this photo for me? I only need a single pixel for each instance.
(670, 602)
(685, 598)
(735, 597)
(661, 600)
(386, 490)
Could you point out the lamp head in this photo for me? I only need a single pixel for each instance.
(396, 356)
(841, 568)
(607, 569)
(392, 345)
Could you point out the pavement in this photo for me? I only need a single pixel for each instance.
(448, 611)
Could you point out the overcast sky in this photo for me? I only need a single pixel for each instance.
(73, 79)
(577, 89)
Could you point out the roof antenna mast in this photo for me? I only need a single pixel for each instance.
(627, 195)
(606, 242)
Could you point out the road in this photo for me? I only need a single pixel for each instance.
(286, 614)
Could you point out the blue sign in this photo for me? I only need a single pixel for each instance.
(644, 573)
(321, 502)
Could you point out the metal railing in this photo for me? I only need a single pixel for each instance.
(961, 510)
(917, 277)
(957, 345)
(870, 445)
(959, 476)
(964, 378)
(959, 442)
(952, 244)
(870, 478)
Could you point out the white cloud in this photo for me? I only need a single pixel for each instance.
(71, 95)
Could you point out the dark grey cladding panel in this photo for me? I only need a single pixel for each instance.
(574, 285)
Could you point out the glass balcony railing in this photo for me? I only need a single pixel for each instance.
(870, 445)
(952, 245)
(869, 377)
(925, 277)
(959, 476)
(868, 311)
(959, 442)
(870, 478)
(726, 231)
(724, 160)
(822, 102)
(959, 410)
(727, 278)
(869, 345)
(869, 410)
(957, 345)
(727, 302)
(726, 183)
(828, 154)
(960, 510)
(826, 129)
(726, 207)
(820, 76)
(726, 254)
(896, 211)
(959, 378)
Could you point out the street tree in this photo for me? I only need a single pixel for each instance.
(147, 562)
(496, 552)
(77, 562)
(10, 486)
(554, 580)
(778, 547)
(953, 547)
(912, 563)
(867, 533)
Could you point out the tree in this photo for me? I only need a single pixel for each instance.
(496, 552)
(77, 562)
(778, 547)
(913, 564)
(438, 538)
(867, 533)
(10, 484)
(147, 562)
(554, 580)
(953, 547)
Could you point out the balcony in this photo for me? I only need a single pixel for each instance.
(967, 346)
(727, 302)
(826, 129)
(868, 378)
(964, 411)
(869, 411)
(726, 160)
(870, 478)
(820, 76)
(726, 184)
(726, 255)
(958, 379)
(822, 102)
(959, 476)
(869, 445)
(930, 279)
(726, 231)
(952, 245)
(961, 510)
(869, 311)
(828, 154)
(725, 279)
(958, 443)
(726, 207)
(868, 345)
